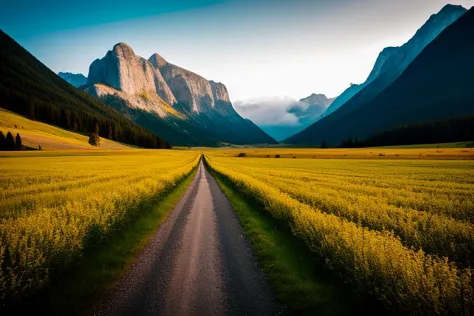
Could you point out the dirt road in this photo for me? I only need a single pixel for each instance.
(197, 263)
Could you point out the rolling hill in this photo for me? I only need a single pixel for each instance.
(35, 134)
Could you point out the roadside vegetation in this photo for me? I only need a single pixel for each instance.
(53, 207)
(304, 287)
(397, 230)
(79, 290)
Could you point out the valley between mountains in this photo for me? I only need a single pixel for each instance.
(141, 187)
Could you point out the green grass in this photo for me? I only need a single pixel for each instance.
(297, 279)
(78, 290)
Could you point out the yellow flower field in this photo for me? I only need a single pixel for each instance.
(401, 230)
(53, 205)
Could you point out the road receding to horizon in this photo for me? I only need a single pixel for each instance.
(197, 263)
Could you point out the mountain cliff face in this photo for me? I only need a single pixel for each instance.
(182, 106)
(437, 84)
(76, 80)
(392, 61)
(189, 88)
(122, 70)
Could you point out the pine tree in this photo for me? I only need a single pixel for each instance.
(2, 141)
(18, 144)
(9, 142)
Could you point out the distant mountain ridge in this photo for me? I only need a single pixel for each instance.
(393, 60)
(320, 99)
(76, 80)
(437, 84)
(177, 103)
(316, 105)
(306, 111)
(390, 63)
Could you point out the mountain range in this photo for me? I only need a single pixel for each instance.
(29, 88)
(392, 61)
(177, 104)
(130, 99)
(436, 83)
(283, 120)
(77, 80)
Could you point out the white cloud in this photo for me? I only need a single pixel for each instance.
(269, 111)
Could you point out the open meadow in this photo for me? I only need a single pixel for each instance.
(54, 205)
(454, 151)
(397, 229)
(35, 134)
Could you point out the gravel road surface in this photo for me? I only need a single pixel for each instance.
(197, 263)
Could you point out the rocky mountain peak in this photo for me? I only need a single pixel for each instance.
(185, 107)
(121, 69)
(435, 25)
(123, 50)
(452, 8)
(319, 99)
(219, 91)
(157, 60)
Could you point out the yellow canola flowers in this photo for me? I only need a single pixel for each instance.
(346, 212)
(53, 205)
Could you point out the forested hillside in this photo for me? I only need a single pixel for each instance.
(456, 129)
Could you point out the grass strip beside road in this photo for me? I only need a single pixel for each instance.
(305, 287)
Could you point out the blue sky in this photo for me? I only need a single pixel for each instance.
(259, 48)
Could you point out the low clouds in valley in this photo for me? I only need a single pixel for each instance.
(270, 111)
(282, 117)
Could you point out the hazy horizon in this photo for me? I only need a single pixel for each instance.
(258, 49)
